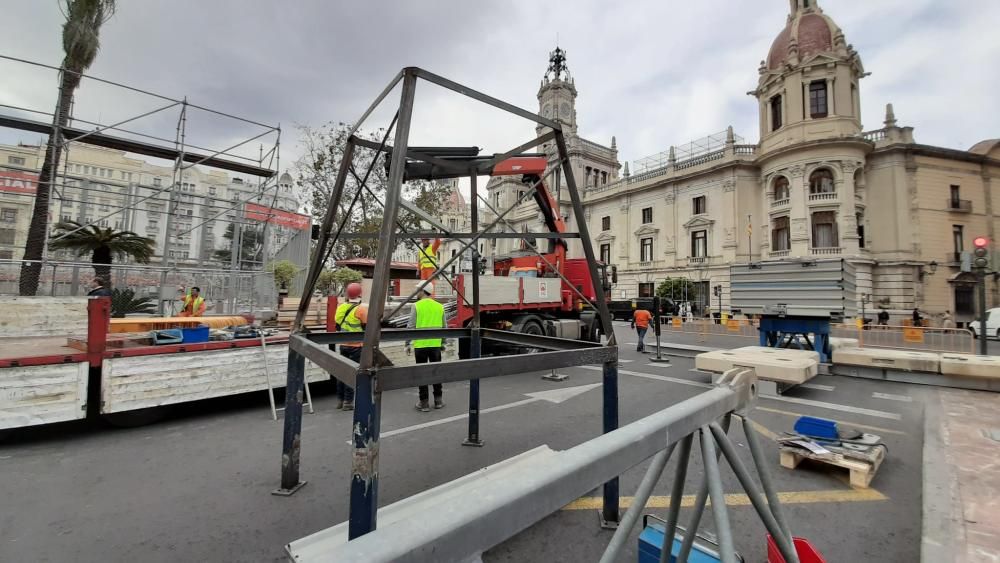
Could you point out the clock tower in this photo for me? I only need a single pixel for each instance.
(557, 94)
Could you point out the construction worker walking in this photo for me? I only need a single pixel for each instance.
(640, 322)
(351, 316)
(428, 257)
(427, 313)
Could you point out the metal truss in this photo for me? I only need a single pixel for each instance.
(373, 374)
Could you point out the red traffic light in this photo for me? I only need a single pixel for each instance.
(980, 241)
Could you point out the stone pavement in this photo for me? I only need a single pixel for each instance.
(962, 477)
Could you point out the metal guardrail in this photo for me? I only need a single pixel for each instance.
(925, 339)
(224, 291)
(513, 495)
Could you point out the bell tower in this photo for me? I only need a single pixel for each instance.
(808, 87)
(557, 94)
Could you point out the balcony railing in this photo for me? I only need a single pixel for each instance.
(745, 149)
(827, 250)
(779, 253)
(822, 196)
(697, 259)
(780, 202)
(958, 205)
(876, 135)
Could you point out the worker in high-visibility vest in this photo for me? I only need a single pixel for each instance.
(194, 303)
(351, 316)
(428, 257)
(427, 313)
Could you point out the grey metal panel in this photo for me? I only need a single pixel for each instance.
(335, 364)
(814, 288)
(390, 334)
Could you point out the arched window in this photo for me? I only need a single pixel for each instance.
(781, 234)
(781, 191)
(821, 182)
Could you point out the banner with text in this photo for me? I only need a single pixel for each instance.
(277, 217)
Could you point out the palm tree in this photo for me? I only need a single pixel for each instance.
(103, 244)
(80, 37)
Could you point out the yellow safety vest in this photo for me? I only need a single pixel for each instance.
(428, 258)
(348, 322)
(430, 314)
(197, 303)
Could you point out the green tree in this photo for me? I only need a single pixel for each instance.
(251, 248)
(317, 169)
(124, 302)
(677, 289)
(103, 244)
(81, 41)
(284, 272)
(334, 281)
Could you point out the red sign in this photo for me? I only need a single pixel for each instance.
(277, 217)
(18, 182)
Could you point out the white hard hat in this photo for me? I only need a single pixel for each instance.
(427, 287)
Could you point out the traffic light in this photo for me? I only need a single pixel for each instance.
(980, 255)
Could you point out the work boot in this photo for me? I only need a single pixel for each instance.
(348, 406)
(422, 406)
(438, 403)
(340, 403)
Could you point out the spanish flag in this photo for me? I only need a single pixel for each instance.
(749, 226)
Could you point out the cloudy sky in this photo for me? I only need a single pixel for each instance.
(653, 73)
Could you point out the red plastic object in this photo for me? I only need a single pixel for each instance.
(807, 553)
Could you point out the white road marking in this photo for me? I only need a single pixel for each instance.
(663, 365)
(552, 396)
(621, 361)
(817, 386)
(781, 398)
(891, 397)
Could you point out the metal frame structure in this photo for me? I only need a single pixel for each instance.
(115, 136)
(370, 377)
(514, 494)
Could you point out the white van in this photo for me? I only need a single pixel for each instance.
(992, 324)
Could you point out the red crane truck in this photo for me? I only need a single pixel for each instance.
(526, 294)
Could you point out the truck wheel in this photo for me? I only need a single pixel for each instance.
(533, 327)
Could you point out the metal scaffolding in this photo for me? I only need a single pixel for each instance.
(373, 374)
(184, 156)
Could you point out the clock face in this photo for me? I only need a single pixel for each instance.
(547, 110)
(564, 110)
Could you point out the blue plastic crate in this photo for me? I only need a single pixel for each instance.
(816, 427)
(195, 334)
(651, 542)
(167, 336)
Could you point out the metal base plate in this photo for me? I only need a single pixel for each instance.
(660, 360)
(289, 492)
(555, 377)
(606, 524)
(474, 444)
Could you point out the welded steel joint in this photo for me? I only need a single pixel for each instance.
(742, 380)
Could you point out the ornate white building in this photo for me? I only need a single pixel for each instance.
(815, 186)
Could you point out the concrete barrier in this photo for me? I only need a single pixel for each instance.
(837, 343)
(967, 365)
(770, 366)
(903, 360)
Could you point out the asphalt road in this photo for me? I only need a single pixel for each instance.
(197, 485)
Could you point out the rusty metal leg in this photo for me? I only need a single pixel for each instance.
(364, 479)
(292, 441)
(610, 508)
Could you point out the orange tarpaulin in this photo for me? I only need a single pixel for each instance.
(146, 324)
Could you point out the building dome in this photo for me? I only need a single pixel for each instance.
(808, 32)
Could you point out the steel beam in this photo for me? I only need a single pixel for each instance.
(487, 167)
(389, 334)
(337, 365)
(476, 342)
(292, 437)
(407, 377)
(488, 100)
(368, 398)
(458, 236)
(535, 341)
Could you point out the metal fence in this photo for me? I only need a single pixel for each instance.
(925, 339)
(224, 291)
(711, 327)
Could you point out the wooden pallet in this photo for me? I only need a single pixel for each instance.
(862, 472)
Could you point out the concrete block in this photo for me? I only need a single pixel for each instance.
(780, 352)
(42, 316)
(838, 342)
(967, 365)
(768, 366)
(903, 360)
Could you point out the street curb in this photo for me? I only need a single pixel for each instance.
(943, 525)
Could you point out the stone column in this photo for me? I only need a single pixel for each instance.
(799, 211)
(847, 218)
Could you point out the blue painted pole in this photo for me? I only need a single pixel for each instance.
(364, 478)
(610, 514)
(292, 438)
(476, 341)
